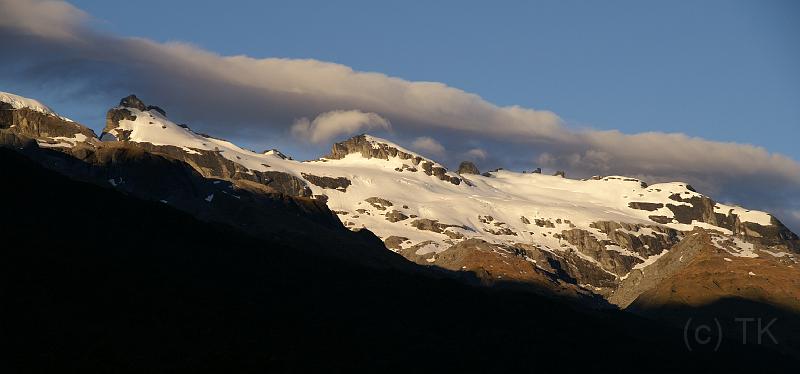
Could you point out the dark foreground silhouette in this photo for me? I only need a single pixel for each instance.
(97, 281)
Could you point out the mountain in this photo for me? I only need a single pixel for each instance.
(613, 239)
(592, 233)
(95, 279)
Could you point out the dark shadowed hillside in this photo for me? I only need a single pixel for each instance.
(98, 281)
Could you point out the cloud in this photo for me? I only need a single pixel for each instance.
(477, 154)
(332, 124)
(428, 145)
(239, 94)
(52, 19)
(546, 159)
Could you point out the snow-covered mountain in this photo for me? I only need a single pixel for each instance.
(17, 102)
(603, 235)
(11, 101)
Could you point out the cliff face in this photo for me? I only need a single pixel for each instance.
(41, 125)
(705, 209)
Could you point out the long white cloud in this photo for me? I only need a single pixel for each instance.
(330, 125)
(271, 94)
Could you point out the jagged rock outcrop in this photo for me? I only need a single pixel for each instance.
(433, 225)
(588, 244)
(131, 101)
(467, 167)
(379, 203)
(363, 145)
(368, 149)
(582, 271)
(338, 183)
(396, 216)
(702, 209)
(646, 240)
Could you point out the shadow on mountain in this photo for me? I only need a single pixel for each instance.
(742, 322)
(98, 281)
(248, 206)
(242, 204)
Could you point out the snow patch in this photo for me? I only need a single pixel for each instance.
(745, 215)
(735, 246)
(427, 248)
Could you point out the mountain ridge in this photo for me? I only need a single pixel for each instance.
(587, 236)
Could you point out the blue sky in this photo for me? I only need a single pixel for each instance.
(722, 70)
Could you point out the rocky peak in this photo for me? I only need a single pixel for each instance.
(122, 112)
(371, 147)
(368, 147)
(131, 101)
(468, 167)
